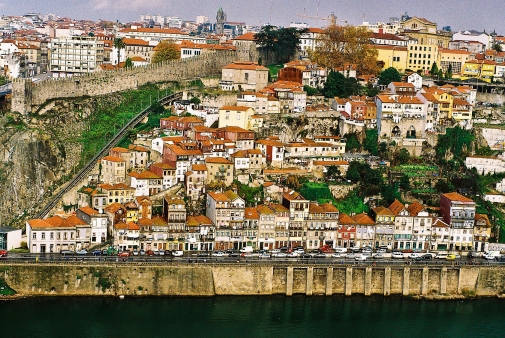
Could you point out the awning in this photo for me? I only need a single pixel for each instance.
(458, 243)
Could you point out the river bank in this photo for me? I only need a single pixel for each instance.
(206, 280)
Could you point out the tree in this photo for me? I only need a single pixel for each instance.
(128, 63)
(338, 85)
(403, 156)
(448, 73)
(165, 51)
(343, 45)
(352, 173)
(293, 182)
(352, 143)
(333, 172)
(281, 44)
(195, 100)
(497, 47)
(311, 91)
(389, 75)
(371, 143)
(434, 69)
(119, 44)
(405, 183)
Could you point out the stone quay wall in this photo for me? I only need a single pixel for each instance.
(27, 96)
(109, 279)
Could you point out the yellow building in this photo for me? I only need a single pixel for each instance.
(421, 57)
(455, 58)
(425, 32)
(236, 116)
(445, 102)
(392, 56)
(479, 69)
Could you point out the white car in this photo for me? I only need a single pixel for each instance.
(441, 255)
(414, 255)
(293, 255)
(360, 258)
(275, 251)
(218, 254)
(336, 255)
(490, 257)
(299, 251)
(178, 253)
(281, 255)
(397, 255)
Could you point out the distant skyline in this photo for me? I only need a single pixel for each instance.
(459, 14)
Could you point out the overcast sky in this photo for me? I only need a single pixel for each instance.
(459, 14)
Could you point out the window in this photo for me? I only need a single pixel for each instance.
(34, 235)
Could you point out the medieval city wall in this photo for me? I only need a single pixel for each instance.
(27, 96)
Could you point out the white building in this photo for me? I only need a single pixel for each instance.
(75, 55)
(10, 238)
(53, 234)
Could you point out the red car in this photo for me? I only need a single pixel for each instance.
(3, 253)
(124, 254)
(149, 252)
(407, 251)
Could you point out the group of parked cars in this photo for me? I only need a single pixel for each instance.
(111, 251)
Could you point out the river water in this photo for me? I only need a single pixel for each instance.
(276, 316)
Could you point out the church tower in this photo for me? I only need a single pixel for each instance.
(220, 21)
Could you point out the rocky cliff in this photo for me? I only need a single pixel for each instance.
(38, 153)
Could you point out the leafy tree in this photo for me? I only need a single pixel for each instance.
(456, 141)
(128, 63)
(333, 172)
(444, 186)
(338, 85)
(389, 194)
(448, 73)
(195, 100)
(316, 191)
(165, 51)
(342, 45)
(440, 73)
(216, 185)
(497, 47)
(352, 143)
(280, 43)
(119, 44)
(434, 69)
(389, 75)
(310, 90)
(370, 143)
(352, 203)
(293, 182)
(405, 183)
(352, 173)
(403, 156)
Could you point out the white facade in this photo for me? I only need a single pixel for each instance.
(75, 55)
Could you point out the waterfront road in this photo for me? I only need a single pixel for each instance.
(194, 259)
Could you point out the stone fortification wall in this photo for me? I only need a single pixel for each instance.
(26, 95)
(252, 279)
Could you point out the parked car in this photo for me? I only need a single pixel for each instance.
(351, 255)
(336, 255)
(203, 254)
(407, 251)
(142, 252)
(104, 252)
(452, 257)
(168, 252)
(150, 252)
(281, 255)
(124, 254)
(275, 251)
(135, 252)
(96, 252)
(414, 255)
(293, 254)
(360, 258)
(429, 255)
(382, 250)
(474, 254)
(441, 255)
(368, 249)
(162, 252)
(264, 255)
(418, 258)
(319, 255)
(397, 255)
(378, 256)
(218, 254)
(3, 253)
(177, 253)
(340, 250)
(156, 252)
(234, 254)
(299, 250)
